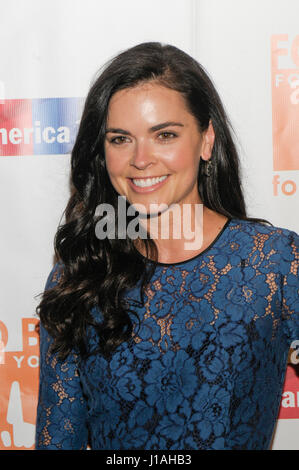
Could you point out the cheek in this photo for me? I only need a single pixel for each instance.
(183, 159)
(114, 164)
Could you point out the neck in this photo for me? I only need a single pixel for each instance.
(177, 232)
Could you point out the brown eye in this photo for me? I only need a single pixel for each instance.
(120, 139)
(167, 135)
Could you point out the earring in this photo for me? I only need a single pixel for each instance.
(208, 167)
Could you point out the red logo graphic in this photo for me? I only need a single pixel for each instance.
(289, 408)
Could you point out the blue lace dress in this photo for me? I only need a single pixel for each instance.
(206, 368)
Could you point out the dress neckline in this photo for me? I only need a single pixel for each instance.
(209, 247)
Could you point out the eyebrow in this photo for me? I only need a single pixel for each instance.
(152, 129)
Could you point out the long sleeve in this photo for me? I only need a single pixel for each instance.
(290, 287)
(61, 410)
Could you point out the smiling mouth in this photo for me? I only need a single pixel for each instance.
(148, 182)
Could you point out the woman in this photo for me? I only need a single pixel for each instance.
(148, 342)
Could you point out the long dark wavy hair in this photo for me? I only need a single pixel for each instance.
(96, 273)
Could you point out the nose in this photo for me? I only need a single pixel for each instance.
(142, 155)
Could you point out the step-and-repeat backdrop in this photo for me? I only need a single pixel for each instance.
(50, 52)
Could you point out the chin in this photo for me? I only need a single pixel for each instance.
(152, 209)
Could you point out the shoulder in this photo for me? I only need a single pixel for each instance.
(278, 243)
(261, 230)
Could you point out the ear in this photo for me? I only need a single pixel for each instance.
(207, 143)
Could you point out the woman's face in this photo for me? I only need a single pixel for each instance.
(153, 146)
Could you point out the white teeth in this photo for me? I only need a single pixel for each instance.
(143, 183)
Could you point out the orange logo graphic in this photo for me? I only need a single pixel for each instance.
(285, 101)
(19, 388)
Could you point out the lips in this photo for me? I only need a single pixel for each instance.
(147, 184)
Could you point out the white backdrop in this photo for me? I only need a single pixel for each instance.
(52, 49)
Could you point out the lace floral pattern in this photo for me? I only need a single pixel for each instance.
(206, 368)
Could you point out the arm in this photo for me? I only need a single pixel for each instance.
(61, 410)
(290, 288)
